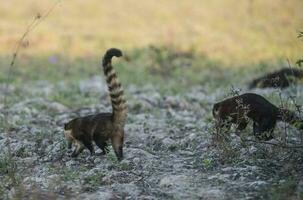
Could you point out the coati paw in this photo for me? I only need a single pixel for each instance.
(105, 151)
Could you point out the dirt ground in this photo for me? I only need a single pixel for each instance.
(169, 152)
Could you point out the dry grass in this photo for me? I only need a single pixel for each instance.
(237, 32)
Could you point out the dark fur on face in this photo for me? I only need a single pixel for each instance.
(239, 109)
(101, 127)
(278, 79)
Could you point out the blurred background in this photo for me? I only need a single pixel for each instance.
(231, 31)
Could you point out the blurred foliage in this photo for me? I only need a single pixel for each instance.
(231, 31)
(286, 190)
(170, 71)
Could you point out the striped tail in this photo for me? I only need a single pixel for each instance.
(291, 118)
(114, 86)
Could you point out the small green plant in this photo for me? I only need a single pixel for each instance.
(4, 165)
(300, 61)
(207, 163)
(125, 166)
(285, 190)
(93, 181)
(69, 174)
(112, 157)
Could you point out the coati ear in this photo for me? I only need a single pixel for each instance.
(216, 106)
(67, 126)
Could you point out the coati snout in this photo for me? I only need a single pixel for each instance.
(249, 106)
(100, 128)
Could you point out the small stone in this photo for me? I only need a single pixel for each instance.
(136, 160)
(173, 180)
(98, 160)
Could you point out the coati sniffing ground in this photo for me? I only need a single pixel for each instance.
(101, 127)
(278, 79)
(249, 106)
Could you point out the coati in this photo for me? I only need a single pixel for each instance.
(239, 109)
(101, 127)
(281, 79)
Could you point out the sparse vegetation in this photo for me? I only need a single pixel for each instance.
(170, 121)
(179, 60)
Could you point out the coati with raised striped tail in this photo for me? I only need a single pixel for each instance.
(103, 126)
(239, 109)
(280, 79)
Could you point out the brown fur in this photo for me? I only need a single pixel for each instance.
(279, 79)
(239, 109)
(103, 126)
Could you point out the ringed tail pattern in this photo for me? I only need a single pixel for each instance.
(114, 86)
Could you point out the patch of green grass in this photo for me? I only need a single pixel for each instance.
(69, 174)
(9, 176)
(112, 157)
(4, 164)
(94, 180)
(72, 97)
(286, 190)
(207, 163)
(169, 74)
(125, 166)
(66, 174)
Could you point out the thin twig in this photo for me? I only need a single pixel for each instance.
(36, 21)
(275, 144)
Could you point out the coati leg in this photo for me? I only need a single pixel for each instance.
(264, 129)
(79, 148)
(103, 146)
(69, 144)
(88, 144)
(117, 143)
(101, 143)
(241, 126)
